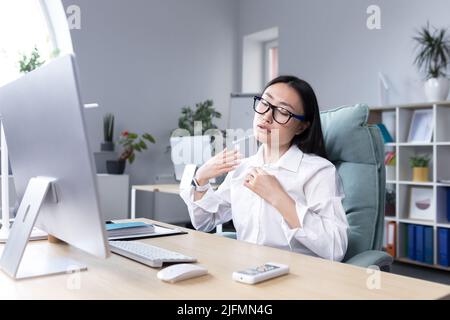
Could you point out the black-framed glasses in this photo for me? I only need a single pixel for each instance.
(279, 114)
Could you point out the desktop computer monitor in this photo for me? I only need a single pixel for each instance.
(52, 164)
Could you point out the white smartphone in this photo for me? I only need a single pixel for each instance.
(260, 273)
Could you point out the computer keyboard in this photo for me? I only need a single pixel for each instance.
(147, 254)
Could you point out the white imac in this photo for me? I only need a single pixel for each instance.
(53, 168)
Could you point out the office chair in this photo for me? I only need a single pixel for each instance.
(357, 150)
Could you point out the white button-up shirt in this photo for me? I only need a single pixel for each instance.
(310, 180)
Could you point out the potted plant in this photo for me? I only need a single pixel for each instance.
(108, 133)
(420, 168)
(196, 123)
(27, 64)
(131, 143)
(432, 59)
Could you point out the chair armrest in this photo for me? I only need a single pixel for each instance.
(370, 258)
(231, 235)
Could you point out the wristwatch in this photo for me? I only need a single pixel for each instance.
(198, 187)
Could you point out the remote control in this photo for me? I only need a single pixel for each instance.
(260, 273)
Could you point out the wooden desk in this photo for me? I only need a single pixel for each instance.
(120, 278)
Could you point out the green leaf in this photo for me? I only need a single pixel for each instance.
(149, 137)
(136, 147)
(132, 135)
(142, 145)
(131, 158)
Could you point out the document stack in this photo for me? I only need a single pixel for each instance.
(130, 229)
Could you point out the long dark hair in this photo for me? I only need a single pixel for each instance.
(311, 140)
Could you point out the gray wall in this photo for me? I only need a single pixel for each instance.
(144, 60)
(328, 44)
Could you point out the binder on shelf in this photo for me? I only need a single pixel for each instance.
(419, 243)
(411, 242)
(428, 245)
(385, 133)
(443, 246)
(390, 238)
(448, 204)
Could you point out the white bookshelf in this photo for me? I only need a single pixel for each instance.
(401, 182)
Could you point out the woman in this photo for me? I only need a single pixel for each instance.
(288, 195)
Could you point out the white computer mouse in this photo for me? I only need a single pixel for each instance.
(181, 271)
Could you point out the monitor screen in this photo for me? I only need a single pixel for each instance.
(43, 119)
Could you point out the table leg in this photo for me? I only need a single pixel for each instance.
(133, 203)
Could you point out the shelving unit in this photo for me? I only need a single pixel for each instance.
(401, 179)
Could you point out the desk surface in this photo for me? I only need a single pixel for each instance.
(165, 188)
(120, 278)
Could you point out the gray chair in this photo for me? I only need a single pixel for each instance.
(357, 150)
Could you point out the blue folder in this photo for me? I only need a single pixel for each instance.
(448, 204)
(419, 243)
(385, 133)
(428, 245)
(443, 246)
(411, 242)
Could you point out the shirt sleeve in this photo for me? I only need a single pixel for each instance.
(212, 209)
(323, 222)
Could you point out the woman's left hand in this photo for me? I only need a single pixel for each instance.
(265, 185)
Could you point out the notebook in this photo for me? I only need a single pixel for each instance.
(137, 230)
(118, 230)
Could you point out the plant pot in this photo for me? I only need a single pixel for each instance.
(115, 166)
(420, 174)
(436, 89)
(107, 146)
(389, 209)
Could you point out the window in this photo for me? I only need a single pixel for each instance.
(260, 60)
(23, 26)
(270, 60)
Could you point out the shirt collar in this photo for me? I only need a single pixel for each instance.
(290, 160)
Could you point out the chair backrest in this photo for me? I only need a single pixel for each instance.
(357, 151)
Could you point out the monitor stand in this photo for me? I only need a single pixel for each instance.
(5, 230)
(39, 189)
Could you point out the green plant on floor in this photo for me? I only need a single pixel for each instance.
(29, 63)
(419, 161)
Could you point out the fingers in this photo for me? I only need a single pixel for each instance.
(230, 158)
(228, 153)
(248, 185)
(227, 169)
(260, 171)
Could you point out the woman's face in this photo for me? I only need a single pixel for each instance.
(270, 132)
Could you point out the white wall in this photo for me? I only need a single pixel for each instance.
(328, 44)
(144, 60)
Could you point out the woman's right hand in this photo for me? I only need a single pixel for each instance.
(221, 163)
